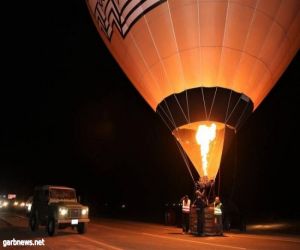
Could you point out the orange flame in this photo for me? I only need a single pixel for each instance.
(204, 136)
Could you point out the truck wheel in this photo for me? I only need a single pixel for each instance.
(81, 228)
(33, 222)
(51, 227)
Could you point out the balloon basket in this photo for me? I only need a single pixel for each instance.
(209, 225)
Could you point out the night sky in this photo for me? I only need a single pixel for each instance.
(70, 116)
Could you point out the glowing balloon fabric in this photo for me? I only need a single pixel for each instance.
(175, 45)
(200, 60)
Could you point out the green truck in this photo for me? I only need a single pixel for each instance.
(57, 207)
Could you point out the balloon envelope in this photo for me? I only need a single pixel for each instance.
(196, 60)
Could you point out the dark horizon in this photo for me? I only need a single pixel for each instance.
(71, 117)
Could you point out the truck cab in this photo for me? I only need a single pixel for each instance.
(57, 207)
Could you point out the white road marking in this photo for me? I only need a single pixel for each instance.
(22, 217)
(5, 222)
(192, 241)
(117, 229)
(100, 243)
(169, 238)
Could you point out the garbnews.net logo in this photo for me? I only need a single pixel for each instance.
(14, 242)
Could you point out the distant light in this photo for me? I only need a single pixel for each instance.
(11, 196)
(123, 206)
(267, 226)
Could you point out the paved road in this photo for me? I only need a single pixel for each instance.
(125, 235)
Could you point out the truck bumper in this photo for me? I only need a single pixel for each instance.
(72, 221)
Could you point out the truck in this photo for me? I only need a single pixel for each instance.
(57, 207)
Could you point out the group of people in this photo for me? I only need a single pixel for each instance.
(199, 204)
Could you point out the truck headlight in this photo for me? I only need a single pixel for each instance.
(84, 211)
(63, 211)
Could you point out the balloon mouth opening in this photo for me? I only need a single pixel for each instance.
(203, 143)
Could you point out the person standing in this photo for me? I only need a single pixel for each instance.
(186, 208)
(218, 215)
(199, 204)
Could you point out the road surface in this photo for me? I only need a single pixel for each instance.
(111, 234)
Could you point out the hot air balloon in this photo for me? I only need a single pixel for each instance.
(203, 66)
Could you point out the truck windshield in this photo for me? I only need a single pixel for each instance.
(62, 194)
